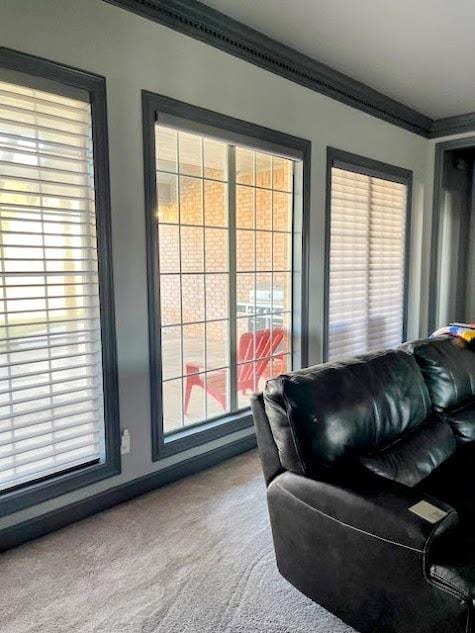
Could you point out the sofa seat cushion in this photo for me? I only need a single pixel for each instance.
(335, 413)
(462, 421)
(454, 483)
(415, 455)
(453, 566)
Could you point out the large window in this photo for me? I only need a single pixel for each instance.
(367, 251)
(224, 216)
(52, 407)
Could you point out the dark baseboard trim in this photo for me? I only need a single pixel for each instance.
(453, 125)
(56, 519)
(213, 27)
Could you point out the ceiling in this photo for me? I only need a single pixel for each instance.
(420, 52)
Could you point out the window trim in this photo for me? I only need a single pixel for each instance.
(375, 168)
(195, 119)
(58, 484)
(437, 217)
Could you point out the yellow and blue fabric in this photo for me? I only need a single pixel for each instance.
(464, 331)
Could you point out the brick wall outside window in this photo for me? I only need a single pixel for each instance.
(265, 246)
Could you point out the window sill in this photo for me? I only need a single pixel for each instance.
(36, 493)
(199, 434)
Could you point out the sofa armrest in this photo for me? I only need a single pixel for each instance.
(353, 546)
(371, 505)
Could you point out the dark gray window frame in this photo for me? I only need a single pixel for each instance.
(378, 169)
(440, 149)
(62, 483)
(157, 107)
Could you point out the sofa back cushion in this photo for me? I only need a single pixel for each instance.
(332, 413)
(448, 366)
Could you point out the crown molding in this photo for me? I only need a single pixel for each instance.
(213, 27)
(203, 23)
(451, 125)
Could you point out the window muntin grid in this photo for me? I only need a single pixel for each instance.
(51, 393)
(199, 251)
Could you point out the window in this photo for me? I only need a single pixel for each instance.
(196, 261)
(223, 218)
(52, 332)
(367, 252)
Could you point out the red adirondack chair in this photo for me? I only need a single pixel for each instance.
(258, 345)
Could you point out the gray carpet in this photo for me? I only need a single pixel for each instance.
(194, 557)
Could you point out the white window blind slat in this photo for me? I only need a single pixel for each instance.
(44, 158)
(27, 439)
(9, 95)
(50, 370)
(92, 342)
(367, 251)
(4, 342)
(40, 385)
(34, 395)
(51, 391)
(24, 461)
(62, 149)
(17, 448)
(41, 123)
(41, 113)
(23, 474)
(49, 215)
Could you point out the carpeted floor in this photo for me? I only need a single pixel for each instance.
(193, 557)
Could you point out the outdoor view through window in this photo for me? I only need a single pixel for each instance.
(51, 398)
(225, 263)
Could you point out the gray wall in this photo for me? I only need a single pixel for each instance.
(136, 54)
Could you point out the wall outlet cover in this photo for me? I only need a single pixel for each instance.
(125, 442)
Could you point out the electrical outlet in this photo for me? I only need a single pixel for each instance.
(125, 442)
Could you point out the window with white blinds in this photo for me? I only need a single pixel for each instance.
(367, 256)
(51, 391)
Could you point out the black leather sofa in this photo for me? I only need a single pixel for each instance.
(349, 451)
(448, 367)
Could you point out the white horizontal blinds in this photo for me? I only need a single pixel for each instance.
(51, 398)
(367, 253)
(349, 264)
(387, 263)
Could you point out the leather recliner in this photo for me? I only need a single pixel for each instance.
(448, 367)
(348, 449)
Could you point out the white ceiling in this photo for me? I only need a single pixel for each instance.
(420, 52)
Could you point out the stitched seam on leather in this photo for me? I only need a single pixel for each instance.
(469, 375)
(373, 399)
(377, 417)
(404, 436)
(424, 394)
(452, 375)
(348, 525)
(458, 590)
(436, 527)
(376, 420)
(435, 582)
(446, 586)
(292, 430)
(457, 409)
